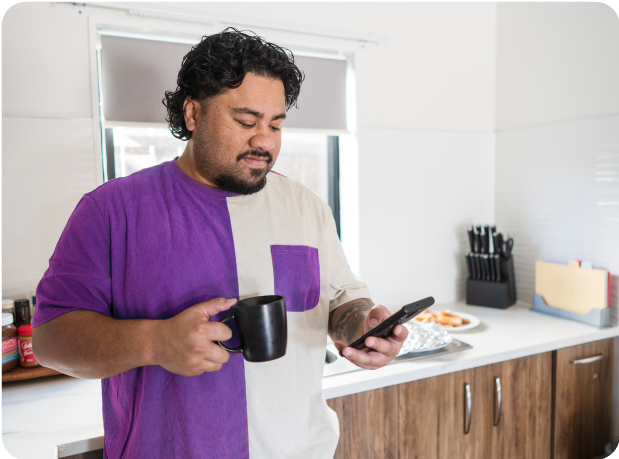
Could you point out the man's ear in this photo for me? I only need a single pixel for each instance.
(191, 109)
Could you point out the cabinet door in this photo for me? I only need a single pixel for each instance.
(516, 400)
(460, 408)
(418, 417)
(583, 403)
(367, 424)
(432, 415)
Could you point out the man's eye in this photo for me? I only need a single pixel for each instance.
(246, 125)
(275, 128)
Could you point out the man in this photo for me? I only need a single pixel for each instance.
(147, 265)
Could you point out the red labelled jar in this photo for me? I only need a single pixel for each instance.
(26, 357)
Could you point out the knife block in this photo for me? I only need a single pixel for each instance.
(499, 295)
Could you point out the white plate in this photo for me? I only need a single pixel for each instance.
(474, 322)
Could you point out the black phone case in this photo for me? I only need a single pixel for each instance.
(384, 329)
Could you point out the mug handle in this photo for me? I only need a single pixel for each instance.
(229, 349)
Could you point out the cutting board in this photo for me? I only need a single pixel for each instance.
(20, 374)
(571, 287)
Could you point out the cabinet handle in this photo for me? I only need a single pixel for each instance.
(468, 408)
(498, 400)
(595, 358)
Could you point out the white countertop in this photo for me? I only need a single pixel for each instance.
(43, 418)
(59, 416)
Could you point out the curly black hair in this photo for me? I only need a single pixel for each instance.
(221, 61)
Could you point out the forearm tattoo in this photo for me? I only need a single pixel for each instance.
(346, 321)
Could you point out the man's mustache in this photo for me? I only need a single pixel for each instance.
(257, 154)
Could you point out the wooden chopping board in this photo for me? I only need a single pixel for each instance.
(20, 373)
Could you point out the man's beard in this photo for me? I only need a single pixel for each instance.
(230, 180)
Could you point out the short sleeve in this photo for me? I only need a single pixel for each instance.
(78, 276)
(344, 286)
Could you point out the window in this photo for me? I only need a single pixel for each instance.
(134, 73)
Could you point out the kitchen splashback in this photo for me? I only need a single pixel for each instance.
(557, 195)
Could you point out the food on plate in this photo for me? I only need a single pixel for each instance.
(445, 318)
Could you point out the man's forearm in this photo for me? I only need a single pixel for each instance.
(346, 321)
(89, 345)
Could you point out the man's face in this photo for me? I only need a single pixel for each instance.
(237, 134)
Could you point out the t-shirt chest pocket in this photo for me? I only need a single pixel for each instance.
(296, 270)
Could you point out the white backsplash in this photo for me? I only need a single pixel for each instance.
(418, 193)
(557, 195)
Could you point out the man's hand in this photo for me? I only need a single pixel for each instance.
(184, 344)
(382, 351)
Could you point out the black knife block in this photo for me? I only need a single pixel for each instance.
(499, 295)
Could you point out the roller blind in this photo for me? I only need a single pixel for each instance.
(135, 74)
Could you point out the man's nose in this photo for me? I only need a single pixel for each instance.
(263, 141)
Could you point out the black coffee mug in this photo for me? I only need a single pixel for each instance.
(262, 327)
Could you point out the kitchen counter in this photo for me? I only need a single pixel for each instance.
(51, 417)
(60, 416)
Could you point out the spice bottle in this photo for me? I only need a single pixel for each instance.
(8, 306)
(22, 312)
(26, 357)
(10, 355)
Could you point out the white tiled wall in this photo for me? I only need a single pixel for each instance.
(557, 194)
(47, 165)
(418, 191)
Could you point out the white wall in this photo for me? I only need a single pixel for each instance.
(47, 165)
(45, 62)
(419, 192)
(555, 62)
(557, 145)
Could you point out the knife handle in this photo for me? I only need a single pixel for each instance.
(498, 243)
(471, 238)
(484, 273)
(483, 242)
(475, 264)
(508, 245)
(469, 268)
(490, 263)
(497, 266)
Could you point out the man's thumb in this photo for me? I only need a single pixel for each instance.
(215, 306)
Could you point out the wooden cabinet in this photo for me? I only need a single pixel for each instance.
(432, 417)
(97, 454)
(367, 424)
(498, 411)
(583, 400)
(515, 412)
(555, 405)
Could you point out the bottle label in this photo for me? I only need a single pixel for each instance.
(9, 357)
(9, 344)
(25, 352)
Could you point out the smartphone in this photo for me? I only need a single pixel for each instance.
(384, 329)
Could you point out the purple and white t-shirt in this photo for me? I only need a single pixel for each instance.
(153, 244)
